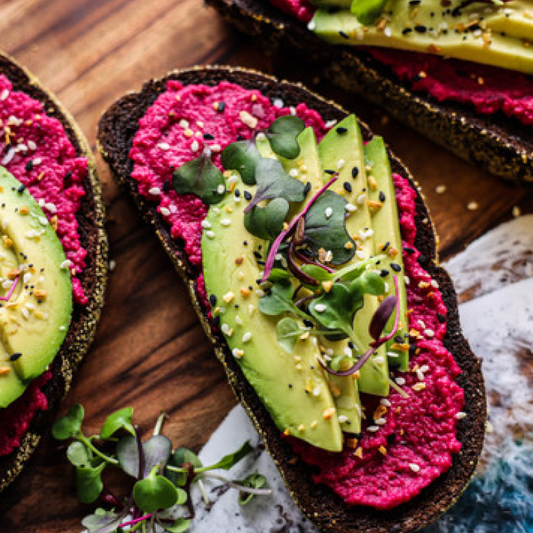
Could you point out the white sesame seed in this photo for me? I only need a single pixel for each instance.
(37, 161)
(460, 415)
(165, 212)
(225, 222)
(184, 123)
(278, 102)
(7, 284)
(27, 277)
(259, 293)
(472, 206)
(414, 467)
(112, 265)
(43, 221)
(195, 146)
(237, 353)
(32, 145)
(429, 333)
(210, 234)
(361, 199)
(328, 212)
(5, 223)
(372, 429)
(246, 337)
(424, 368)
(379, 360)
(4, 95)
(340, 163)
(406, 280)
(25, 313)
(330, 123)
(248, 120)
(421, 323)
(385, 402)
(221, 189)
(316, 391)
(293, 173)
(311, 25)
(163, 146)
(292, 110)
(62, 328)
(392, 354)
(320, 308)
(225, 329)
(238, 320)
(342, 419)
(420, 375)
(380, 422)
(348, 351)
(440, 189)
(434, 283)
(9, 156)
(66, 264)
(350, 208)
(400, 381)
(387, 32)
(360, 254)
(216, 147)
(205, 224)
(154, 191)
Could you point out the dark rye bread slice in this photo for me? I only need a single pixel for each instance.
(496, 142)
(117, 129)
(91, 219)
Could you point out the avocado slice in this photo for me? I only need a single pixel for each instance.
(388, 241)
(35, 320)
(490, 35)
(291, 386)
(307, 167)
(341, 150)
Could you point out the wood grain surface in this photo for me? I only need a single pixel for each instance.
(150, 351)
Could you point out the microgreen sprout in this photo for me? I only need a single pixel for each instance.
(162, 478)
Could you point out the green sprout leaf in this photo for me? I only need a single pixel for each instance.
(368, 282)
(201, 177)
(231, 459)
(118, 420)
(283, 134)
(367, 11)
(267, 222)
(156, 450)
(179, 526)
(274, 182)
(288, 331)
(254, 481)
(278, 274)
(69, 426)
(325, 228)
(181, 456)
(336, 308)
(78, 454)
(279, 300)
(243, 157)
(101, 521)
(154, 492)
(89, 482)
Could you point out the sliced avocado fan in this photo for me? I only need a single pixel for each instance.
(35, 290)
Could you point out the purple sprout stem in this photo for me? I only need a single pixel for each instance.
(11, 291)
(135, 521)
(397, 316)
(281, 237)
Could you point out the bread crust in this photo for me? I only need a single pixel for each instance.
(117, 129)
(500, 144)
(91, 220)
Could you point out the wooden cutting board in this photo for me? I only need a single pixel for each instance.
(150, 351)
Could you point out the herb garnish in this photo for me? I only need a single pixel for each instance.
(161, 491)
(283, 134)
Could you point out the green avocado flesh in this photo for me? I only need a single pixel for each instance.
(483, 33)
(303, 400)
(35, 320)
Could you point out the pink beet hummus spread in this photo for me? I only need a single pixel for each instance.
(35, 148)
(420, 432)
(485, 88)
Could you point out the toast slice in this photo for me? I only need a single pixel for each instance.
(496, 142)
(117, 129)
(91, 282)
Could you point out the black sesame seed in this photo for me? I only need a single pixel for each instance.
(213, 300)
(209, 137)
(422, 259)
(15, 356)
(385, 246)
(166, 186)
(441, 318)
(22, 188)
(391, 438)
(29, 165)
(382, 196)
(307, 187)
(221, 106)
(410, 251)
(68, 175)
(247, 195)
(347, 186)
(384, 272)
(308, 323)
(237, 193)
(329, 171)
(419, 28)
(290, 385)
(340, 130)
(245, 243)
(355, 172)
(412, 348)
(406, 31)
(216, 320)
(398, 339)
(240, 137)
(343, 34)
(257, 255)
(396, 267)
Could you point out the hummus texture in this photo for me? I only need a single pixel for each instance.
(419, 435)
(486, 89)
(36, 150)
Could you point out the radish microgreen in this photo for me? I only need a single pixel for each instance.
(158, 499)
